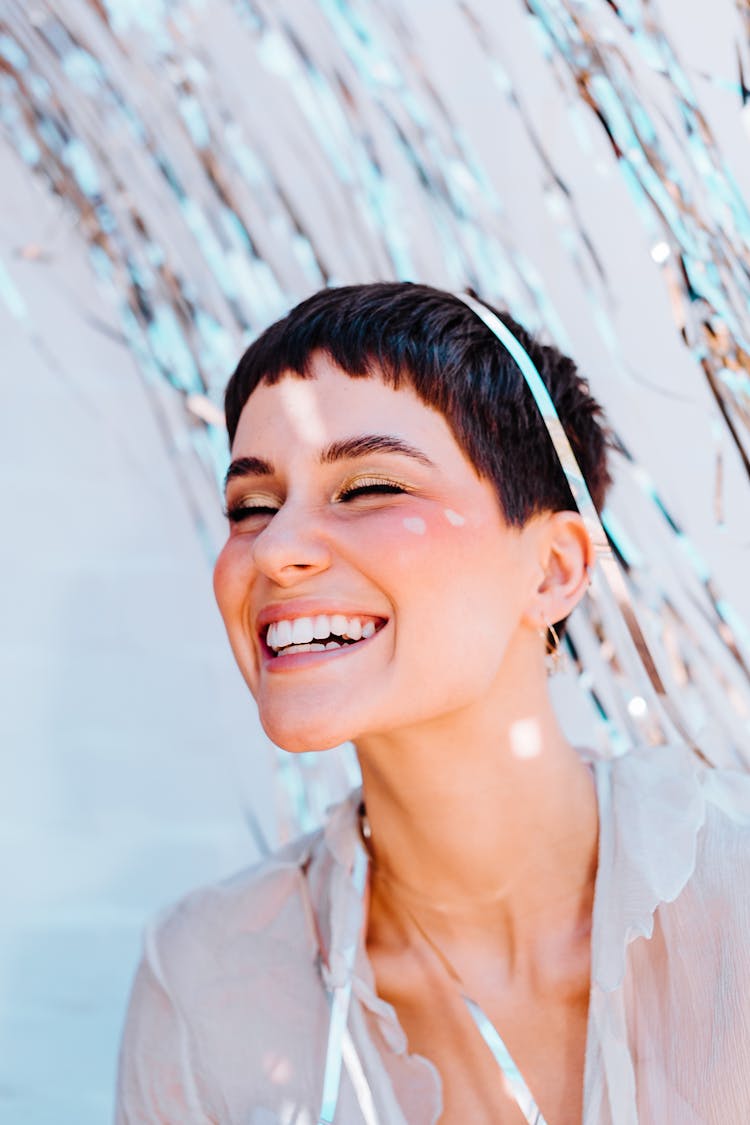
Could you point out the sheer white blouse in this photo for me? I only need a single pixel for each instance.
(228, 1018)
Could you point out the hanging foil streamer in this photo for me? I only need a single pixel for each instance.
(223, 160)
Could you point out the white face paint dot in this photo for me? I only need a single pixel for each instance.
(415, 524)
(454, 517)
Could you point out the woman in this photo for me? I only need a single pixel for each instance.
(496, 929)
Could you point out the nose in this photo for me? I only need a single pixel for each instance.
(292, 546)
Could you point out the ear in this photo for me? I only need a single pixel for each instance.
(566, 556)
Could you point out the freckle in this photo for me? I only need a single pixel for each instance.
(416, 525)
(454, 518)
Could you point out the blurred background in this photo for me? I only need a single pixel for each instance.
(174, 174)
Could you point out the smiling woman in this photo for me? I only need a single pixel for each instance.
(495, 928)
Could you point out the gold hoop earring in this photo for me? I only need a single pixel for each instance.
(552, 648)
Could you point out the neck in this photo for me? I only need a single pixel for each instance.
(486, 819)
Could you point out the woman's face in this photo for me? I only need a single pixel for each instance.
(353, 511)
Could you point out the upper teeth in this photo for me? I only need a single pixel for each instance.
(303, 630)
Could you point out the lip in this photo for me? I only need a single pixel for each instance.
(282, 611)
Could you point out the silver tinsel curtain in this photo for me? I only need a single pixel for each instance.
(584, 163)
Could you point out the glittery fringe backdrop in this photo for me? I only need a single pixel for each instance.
(583, 163)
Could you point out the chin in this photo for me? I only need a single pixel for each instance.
(303, 735)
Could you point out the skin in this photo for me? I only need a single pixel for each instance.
(483, 817)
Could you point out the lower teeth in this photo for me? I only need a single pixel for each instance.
(314, 647)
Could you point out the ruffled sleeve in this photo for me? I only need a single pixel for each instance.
(652, 808)
(669, 1025)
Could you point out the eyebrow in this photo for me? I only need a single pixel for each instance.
(345, 450)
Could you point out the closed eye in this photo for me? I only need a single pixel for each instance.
(371, 488)
(235, 513)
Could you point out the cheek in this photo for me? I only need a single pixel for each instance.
(231, 577)
(409, 538)
(447, 579)
(418, 557)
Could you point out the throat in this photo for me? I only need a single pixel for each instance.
(526, 890)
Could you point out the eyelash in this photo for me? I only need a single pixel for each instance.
(237, 512)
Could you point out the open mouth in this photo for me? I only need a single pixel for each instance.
(322, 633)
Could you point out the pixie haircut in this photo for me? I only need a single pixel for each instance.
(429, 340)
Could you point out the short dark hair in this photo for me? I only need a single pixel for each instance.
(427, 339)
